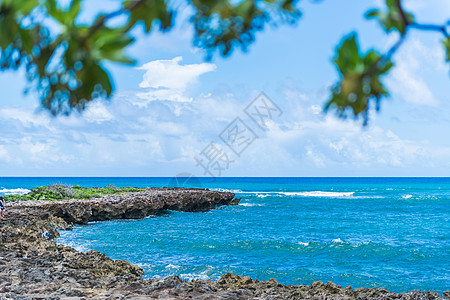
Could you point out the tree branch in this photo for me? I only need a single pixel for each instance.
(430, 27)
(101, 22)
(415, 25)
(402, 14)
(395, 47)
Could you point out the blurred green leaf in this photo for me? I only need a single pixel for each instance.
(24, 7)
(221, 25)
(391, 19)
(348, 55)
(148, 12)
(64, 17)
(110, 45)
(360, 79)
(74, 9)
(67, 65)
(447, 48)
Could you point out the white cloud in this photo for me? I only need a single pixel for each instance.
(157, 140)
(162, 94)
(162, 137)
(4, 155)
(411, 87)
(407, 78)
(315, 157)
(169, 79)
(27, 118)
(170, 74)
(97, 112)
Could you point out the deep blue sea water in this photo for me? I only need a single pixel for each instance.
(363, 232)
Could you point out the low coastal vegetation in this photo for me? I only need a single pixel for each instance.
(58, 192)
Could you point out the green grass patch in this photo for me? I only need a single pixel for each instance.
(58, 192)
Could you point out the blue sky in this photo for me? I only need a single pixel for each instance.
(173, 104)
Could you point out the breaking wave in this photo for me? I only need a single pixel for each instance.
(319, 194)
(18, 191)
(299, 194)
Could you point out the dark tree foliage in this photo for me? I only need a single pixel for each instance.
(64, 62)
(360, 82)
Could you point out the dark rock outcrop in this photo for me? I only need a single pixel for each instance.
(33, 266)
(129, 205)
(271, 289)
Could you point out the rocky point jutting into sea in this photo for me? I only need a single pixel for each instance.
(33, 266)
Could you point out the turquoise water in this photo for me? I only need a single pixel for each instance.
(363, 232)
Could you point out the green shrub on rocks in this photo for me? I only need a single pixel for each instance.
(58, 192)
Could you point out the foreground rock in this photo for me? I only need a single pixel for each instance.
(32, 266)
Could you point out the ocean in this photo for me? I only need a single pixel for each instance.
(364, 232)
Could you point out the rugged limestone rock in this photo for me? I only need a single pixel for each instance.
(32, 266)
(271, 289)
(129, 205)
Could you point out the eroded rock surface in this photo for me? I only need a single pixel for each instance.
(129, 205)
(33, 266)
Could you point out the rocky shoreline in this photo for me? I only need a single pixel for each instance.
(33, 266)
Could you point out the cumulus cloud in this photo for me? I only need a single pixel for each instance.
(317, 141)
(4, 155)
(26, 117)
(97, 112)
(157, 140)
(408, 76)
(169, 79)
(418, 62)
(161, 138)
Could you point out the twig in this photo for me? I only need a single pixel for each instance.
(430, 27)
(101, 22)
(402, 14)
(394, 48)
(415, 25)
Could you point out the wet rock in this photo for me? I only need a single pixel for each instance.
(51, 234)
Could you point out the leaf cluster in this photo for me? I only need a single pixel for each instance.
(67, 66)
(360, 80)
(361, 73)
(393, 18)
(222, 25)
(446, 43)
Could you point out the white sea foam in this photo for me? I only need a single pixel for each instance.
(80, 248)
(249, 204)
(334, 242)
(319, 194)
(170, 266)
(368, 197)
(227, 190)
(193, 276)
(338, 240)
(262, 195)
(18, 191)
(407, 196)
(302, 194)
